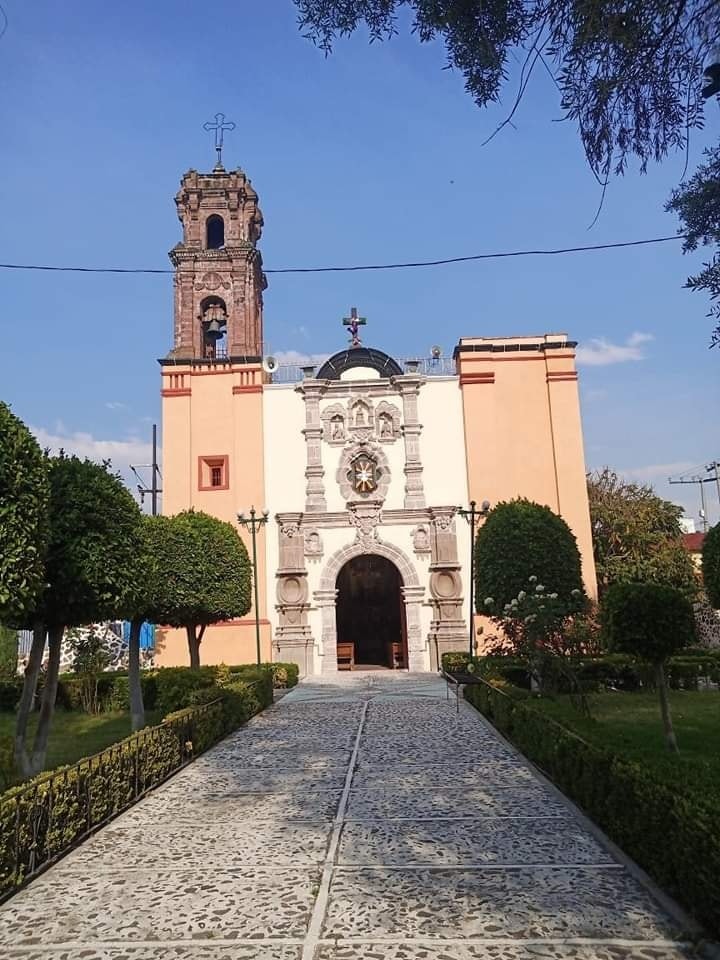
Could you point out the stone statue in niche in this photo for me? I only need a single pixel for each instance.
(360, 415)
(386, 427)
(313, 544)
(337, 429)
(421, 539)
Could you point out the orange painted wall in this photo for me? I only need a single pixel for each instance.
(215, 410)
(523, 434)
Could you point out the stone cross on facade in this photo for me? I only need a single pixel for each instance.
(354, 322)
(219, 125)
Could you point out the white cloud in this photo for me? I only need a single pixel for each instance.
(116, 405)
(300, 359)
(601, 352)
(657, 471)
(121, 453)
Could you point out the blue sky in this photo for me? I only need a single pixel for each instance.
(374, 154)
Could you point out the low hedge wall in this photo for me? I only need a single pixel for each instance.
(164, 688)
(684, 672)
(45, 817)
(675, 838)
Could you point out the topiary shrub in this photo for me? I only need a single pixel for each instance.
(175, 684)
(711, 565)
(520, 540)
(649, 621)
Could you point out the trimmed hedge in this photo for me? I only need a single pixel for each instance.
(687, 671)
(43, 818)
(164, 688)
(675, 838)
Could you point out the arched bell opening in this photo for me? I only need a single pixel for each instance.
(370, 614)
(214, 232)
(213, 320)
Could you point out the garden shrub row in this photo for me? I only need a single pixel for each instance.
(675, 838)
(44, 817)
(619, 671)
(164, 689)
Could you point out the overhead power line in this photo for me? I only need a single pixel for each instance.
(367, 266)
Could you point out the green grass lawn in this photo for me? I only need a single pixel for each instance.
(629, 724)
(77, 735)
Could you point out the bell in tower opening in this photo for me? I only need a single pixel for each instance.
(213, 319)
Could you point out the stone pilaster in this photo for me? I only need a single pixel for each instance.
(325, 601)
(413, 597)
(315, 501)
(293, 638)
(448, 629)
(408, 387)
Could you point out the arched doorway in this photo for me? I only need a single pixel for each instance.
(370, 613)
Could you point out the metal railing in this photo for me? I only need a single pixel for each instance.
(46, 819)
(426, 367)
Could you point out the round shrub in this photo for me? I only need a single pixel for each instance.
(519, 540)
(648, 620)
(711, 565)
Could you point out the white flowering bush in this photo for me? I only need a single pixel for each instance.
(536, 625)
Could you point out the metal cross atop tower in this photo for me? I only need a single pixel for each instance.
(354, 322)
(219, 126)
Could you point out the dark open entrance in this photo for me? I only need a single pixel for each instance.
(370, 614)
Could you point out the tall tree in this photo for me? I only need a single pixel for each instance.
(206, 575)
(629, 74)
(24, 496)
(94, 537)
(697, 204)
(637, 536)
(145, 600)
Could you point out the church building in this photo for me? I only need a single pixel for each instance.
(363, 462)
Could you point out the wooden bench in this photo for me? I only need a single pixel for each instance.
(396, 656)
(345, 656)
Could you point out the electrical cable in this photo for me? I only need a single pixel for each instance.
(371, 266)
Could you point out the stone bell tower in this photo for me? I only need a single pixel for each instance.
(219, 279)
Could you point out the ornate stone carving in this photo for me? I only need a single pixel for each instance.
(293, 637)
(365, 516)
(315, 501)
(448, 630)
(408, 387)
(363, 471)
(421, 539)
(387, 422)
(334, 424)
(212, 281)
(313, 544)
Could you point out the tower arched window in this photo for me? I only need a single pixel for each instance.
(215, 232)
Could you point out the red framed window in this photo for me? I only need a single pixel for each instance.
(213, 473)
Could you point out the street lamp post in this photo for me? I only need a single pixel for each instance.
(472, 515)
(253, 524)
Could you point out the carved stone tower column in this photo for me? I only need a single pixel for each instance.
(408, 386)
(219, 278)
(448, 630)
(293, 639)
(315, 489)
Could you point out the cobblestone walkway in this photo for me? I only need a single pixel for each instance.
(358, 819)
